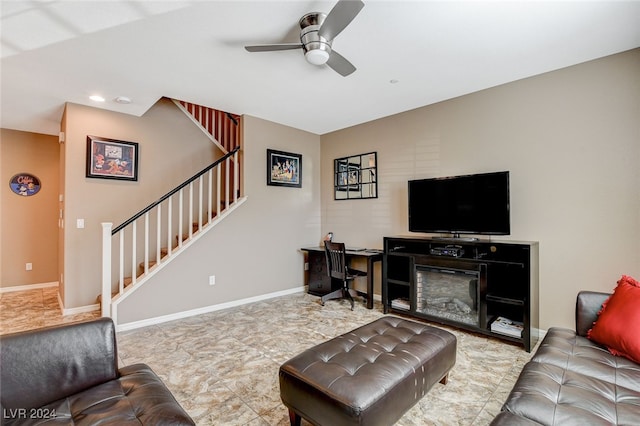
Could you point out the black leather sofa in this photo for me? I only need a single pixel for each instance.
(69, 375)
(573, 381)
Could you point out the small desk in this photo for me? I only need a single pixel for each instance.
(319, 281)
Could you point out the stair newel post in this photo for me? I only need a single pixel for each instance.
(236, 189)
(190, 210)
(134, 250)
(170, 225)
(180, 216)
(159, 234)
(200, 211)
(218, 190)
(106, 269)
(146, 242)
(210, 196)
(227, 182)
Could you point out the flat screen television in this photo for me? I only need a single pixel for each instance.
(469, 204)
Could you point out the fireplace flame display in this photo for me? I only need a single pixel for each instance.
(448, 294)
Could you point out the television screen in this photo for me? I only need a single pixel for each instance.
(470, 204)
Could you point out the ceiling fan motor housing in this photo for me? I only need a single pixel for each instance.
(317, 31)
(316, 48)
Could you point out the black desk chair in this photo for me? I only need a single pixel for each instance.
(337, 268)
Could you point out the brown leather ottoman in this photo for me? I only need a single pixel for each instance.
(369, 376)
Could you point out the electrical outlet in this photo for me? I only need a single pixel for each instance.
(212, 280)
(29, 266)
(306, 266)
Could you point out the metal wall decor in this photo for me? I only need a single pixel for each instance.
(25, 184)
(355, 177)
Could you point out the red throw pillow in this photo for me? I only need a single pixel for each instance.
(619, 321)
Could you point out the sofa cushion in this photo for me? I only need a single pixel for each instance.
(574, 381)
(619, 321)
(137, 397)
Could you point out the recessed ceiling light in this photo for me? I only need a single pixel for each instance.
(122, 100)
(96, 98)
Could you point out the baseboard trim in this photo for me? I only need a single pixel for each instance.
(28, 287)
(204, 310)
(540, 333)
(80, 309)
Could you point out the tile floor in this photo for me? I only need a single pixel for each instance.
(223, 366)
(26, 310)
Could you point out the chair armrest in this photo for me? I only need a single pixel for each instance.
(588, 304)
(44, 365)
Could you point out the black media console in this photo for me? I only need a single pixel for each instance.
(466, 284)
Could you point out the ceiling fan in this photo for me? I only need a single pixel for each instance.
(316, 35)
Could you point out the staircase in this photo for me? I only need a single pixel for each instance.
(221, 127)
(133, 252)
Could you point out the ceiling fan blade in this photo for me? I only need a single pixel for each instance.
(273, 47)
(339, 64)
(340, 16)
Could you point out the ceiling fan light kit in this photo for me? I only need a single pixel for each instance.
(317, 56)
(317, 33)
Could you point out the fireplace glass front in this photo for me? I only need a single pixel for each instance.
(449, 294)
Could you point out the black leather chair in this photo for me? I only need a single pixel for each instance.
(337, 268)
(68, 374)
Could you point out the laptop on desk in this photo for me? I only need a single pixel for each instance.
(355, 249)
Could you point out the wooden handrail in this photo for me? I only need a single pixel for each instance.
(173, 191)
(232, 118)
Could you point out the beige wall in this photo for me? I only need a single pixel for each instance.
(29, 225)
(172, 149)
(571, 141)
(255, 250)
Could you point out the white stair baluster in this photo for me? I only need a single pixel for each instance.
(106, 269)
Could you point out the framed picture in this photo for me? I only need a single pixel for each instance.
(284, 169)
(112, 159)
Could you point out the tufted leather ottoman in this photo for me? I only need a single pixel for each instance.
(369, 376)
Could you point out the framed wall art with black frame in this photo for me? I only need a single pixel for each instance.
(112, 159)
(284, 169)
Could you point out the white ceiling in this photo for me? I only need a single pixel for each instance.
(63, 51)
